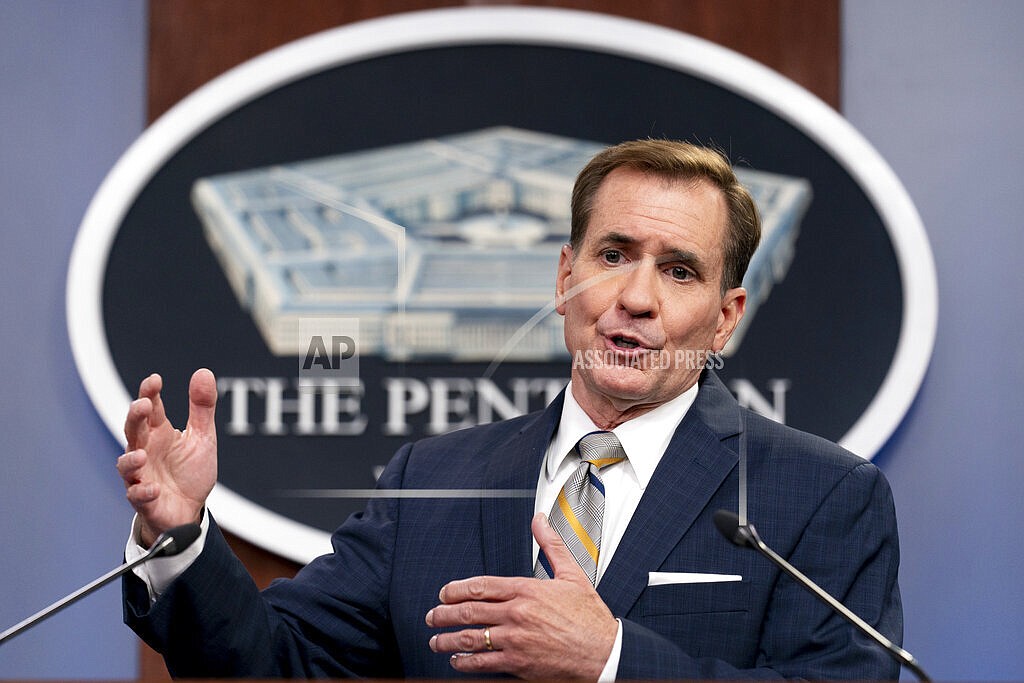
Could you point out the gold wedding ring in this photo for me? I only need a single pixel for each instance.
(487, 638)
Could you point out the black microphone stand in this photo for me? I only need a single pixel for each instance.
(745, 535)
(169, 543)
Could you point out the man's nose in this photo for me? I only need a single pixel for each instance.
(639, 293)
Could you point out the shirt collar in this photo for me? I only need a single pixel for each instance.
(644, 438)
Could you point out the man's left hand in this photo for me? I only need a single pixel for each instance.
(536, 628)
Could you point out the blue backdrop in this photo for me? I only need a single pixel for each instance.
(936, 87)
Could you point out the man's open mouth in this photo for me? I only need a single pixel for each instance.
(625, 343)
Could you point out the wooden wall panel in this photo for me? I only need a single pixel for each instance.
(192, 41)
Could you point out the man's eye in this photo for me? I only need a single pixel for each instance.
(680, 273)
(612, 256)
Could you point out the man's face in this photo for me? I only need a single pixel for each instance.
(642, 296)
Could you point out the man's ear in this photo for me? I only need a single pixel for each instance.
(734, 305)
(561, 279)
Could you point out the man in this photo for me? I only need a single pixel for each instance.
(649, 287)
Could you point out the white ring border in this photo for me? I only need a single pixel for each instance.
(476, 25)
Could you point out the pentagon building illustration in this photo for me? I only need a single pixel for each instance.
(444, 249)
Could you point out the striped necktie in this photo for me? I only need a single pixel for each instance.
(578, 512)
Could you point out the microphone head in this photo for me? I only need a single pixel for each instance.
(728, 524)
(173, 541)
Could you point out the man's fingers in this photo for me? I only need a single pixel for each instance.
(467, 640)
(466, 613)
(139, 492)
(480, 662)
(130, 464)
(150, 388)
(136, 424)
(202, 403)
(524, 626)
(480, 589)
(563, 564)
(139, 495)
(477, 650)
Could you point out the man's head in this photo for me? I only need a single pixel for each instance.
(650, 284)
(673, 160)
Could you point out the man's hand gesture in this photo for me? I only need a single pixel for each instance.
(531, 628)
(168, 472)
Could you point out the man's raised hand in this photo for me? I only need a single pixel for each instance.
(169, 473)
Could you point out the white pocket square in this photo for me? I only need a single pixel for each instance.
(668, 578)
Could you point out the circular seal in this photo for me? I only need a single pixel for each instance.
(404, 181)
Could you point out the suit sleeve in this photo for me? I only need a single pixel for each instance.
(330, 620)
(850, 547)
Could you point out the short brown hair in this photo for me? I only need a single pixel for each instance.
(674, 160)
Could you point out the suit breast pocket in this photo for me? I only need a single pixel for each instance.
(707, 620)
(693, 598)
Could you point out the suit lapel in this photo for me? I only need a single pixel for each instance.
(515, 463)
(695, 464)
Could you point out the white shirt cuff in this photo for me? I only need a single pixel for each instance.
(611, 667)
(160, 572)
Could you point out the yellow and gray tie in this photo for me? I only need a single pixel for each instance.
(578, 512)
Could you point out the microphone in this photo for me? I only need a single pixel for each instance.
(169, 543)
(745, 536)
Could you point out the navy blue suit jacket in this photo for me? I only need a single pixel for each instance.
(360, 611)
